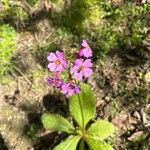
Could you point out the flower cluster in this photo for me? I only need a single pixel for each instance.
(80, 69)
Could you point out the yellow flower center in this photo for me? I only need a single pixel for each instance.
(81, 68)
(57, 62)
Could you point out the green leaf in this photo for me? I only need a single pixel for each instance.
(98, 145)
(101, 129)
(69, 144)
(82, 106)
(56, 122)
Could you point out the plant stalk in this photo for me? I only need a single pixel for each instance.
(82, 128)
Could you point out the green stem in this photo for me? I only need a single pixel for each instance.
(81, 114)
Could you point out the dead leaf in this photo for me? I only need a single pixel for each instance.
(99, 103)
(146, 115)
(135, 136)
(120, 120)
(137, 115)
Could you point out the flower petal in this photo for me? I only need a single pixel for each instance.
(59, 68)
(78, 76)
(81, 52)
(78, 62)
(77, 89)
(52, 66)
(52, 57)
(65, 89)
(59, 54)
(87, 63)
(87, 52)
(84, 43)
(64, 63)
(74, 69)
(87, 72)
(71, 92)
(50, 80)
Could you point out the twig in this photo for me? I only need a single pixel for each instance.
(17, 69)
(46, 38)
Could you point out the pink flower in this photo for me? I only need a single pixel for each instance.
(57, 61)
(56, 82)
(70, 89)
(81, 68)
(85, 51)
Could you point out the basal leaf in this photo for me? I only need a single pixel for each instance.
(69, 144)
(82, 106)
(101, 129)
(56, 122)
(98, 145)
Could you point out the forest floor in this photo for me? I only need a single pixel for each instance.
(122, 96)
(120, 84)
